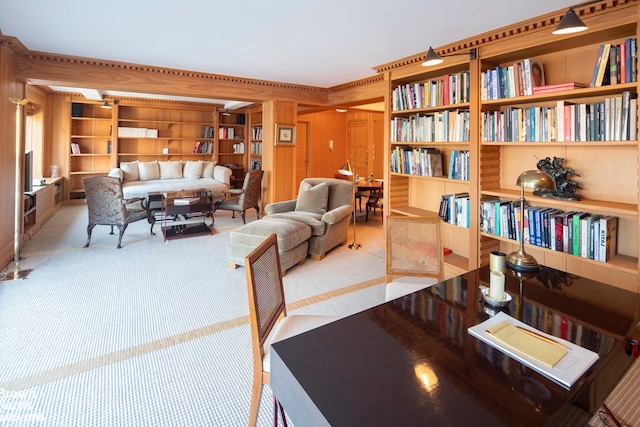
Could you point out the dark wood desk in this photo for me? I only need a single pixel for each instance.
(368, 369)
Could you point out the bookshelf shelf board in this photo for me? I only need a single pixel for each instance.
(91, 155)
(566, 143)
(600, 91)
(625, 263)
(457, 261)
(92, 172)
(165, 154)
(230, 154)
(460, 106)
(612, 208)
(166, 122)
(93, 119)
(91, 136)
(146, 138)
(430, 144)
(431, 178)
(230, 125)
(411, 211)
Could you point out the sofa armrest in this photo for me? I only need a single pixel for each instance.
(222, 174)
(337, 214)
(279, 207)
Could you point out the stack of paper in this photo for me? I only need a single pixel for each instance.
(553, 357)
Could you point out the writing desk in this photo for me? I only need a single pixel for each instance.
(411, 361)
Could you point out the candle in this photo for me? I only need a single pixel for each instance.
(496, 261)
(496, 289)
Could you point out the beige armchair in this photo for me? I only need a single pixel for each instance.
(325, 204)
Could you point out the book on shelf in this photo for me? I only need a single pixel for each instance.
(608, 237)
(601, 65)
(75, 148)
(559, 87)
(185, 201)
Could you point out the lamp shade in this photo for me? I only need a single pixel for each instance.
(570, 23)
(432, 58)
(346, 169)
(536, 179)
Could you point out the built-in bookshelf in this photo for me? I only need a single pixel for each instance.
(91, 144)
(165, 132)
(232, 143)
(255, 143)
(431, 148)
(532, 95)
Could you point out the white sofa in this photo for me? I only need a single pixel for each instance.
(140, 178)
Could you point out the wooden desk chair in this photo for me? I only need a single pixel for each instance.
(375, 201)
(247, 198)
(267, 309)
(414, 248)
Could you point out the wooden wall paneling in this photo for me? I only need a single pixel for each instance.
(60, 128)
(358, 92)
(326, 126)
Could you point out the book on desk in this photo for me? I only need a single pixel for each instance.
(186, 201)
(574, 362)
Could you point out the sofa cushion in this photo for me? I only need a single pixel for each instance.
(171, 170)
(207, 169)
(313, 198)
(290, 233)
(130, 171)
(149, 170)
(312, 220)
(192, 169)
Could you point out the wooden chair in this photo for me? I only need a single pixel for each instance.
(375, 201)
(107, 206)
(414, 248)
(267, 309)
(246, 198)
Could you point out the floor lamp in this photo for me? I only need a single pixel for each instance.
(347, 170)
(17, 273)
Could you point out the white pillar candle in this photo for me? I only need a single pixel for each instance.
(496, 289)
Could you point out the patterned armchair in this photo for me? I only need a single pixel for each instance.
(246, 198)
(107, 206)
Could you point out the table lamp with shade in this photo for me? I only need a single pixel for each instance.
(347, 170)
(537, 180)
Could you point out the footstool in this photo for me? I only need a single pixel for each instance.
(292, 241)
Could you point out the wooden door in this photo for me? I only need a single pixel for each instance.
(302, 152)
(359, 147)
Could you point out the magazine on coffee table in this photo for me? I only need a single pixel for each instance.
(553, 357)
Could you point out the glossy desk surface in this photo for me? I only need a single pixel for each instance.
(411, 361)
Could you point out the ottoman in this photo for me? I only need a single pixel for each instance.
(292, 241)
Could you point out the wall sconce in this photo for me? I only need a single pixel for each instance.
(432, 58)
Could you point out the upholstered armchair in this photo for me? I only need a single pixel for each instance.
(325, 204)
(246, 198)
(107, 206)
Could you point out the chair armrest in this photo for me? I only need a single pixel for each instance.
(337, 214)
(234, 191)
(132, 200)
(279, 207)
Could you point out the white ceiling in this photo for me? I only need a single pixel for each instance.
(310, 42)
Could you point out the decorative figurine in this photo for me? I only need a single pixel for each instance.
(565, 188)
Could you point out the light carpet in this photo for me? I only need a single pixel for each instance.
(155, 333)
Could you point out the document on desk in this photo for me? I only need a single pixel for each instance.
(553, 357)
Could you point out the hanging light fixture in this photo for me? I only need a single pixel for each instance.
(106, 104)
(432, 58)
(570, 23)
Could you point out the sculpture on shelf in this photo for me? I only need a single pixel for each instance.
(565, 187)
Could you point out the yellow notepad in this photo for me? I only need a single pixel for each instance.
(536, 346)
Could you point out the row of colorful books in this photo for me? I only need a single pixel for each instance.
(582, 234)
(203, 147)
(256, 132)
(208, 132)
(256, 148)
(422, 161)
(459, 165)
(454, 209)
(615, 63)
(442, 126)
(612, 119)
(450, 89)
(517, 79)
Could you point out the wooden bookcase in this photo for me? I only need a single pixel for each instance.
(162, 132)
(608, 169)
(255, 138)
(91, 144)
(232, 143)
(441, 96)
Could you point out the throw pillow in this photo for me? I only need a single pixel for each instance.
(149, 170)
(170, 170)
(116, 173)
(313, 198)
(207, 169)
(130, 171)
(192, 169)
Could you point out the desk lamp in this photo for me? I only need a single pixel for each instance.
(347, 170)
(537, 180)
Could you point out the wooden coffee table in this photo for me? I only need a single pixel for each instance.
(186, 220)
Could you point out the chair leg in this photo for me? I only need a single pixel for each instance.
(257, 212)
(112, 230)
(256, 394)
(89, 229)
(122, 228)
(277, 408)
(242, 215)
